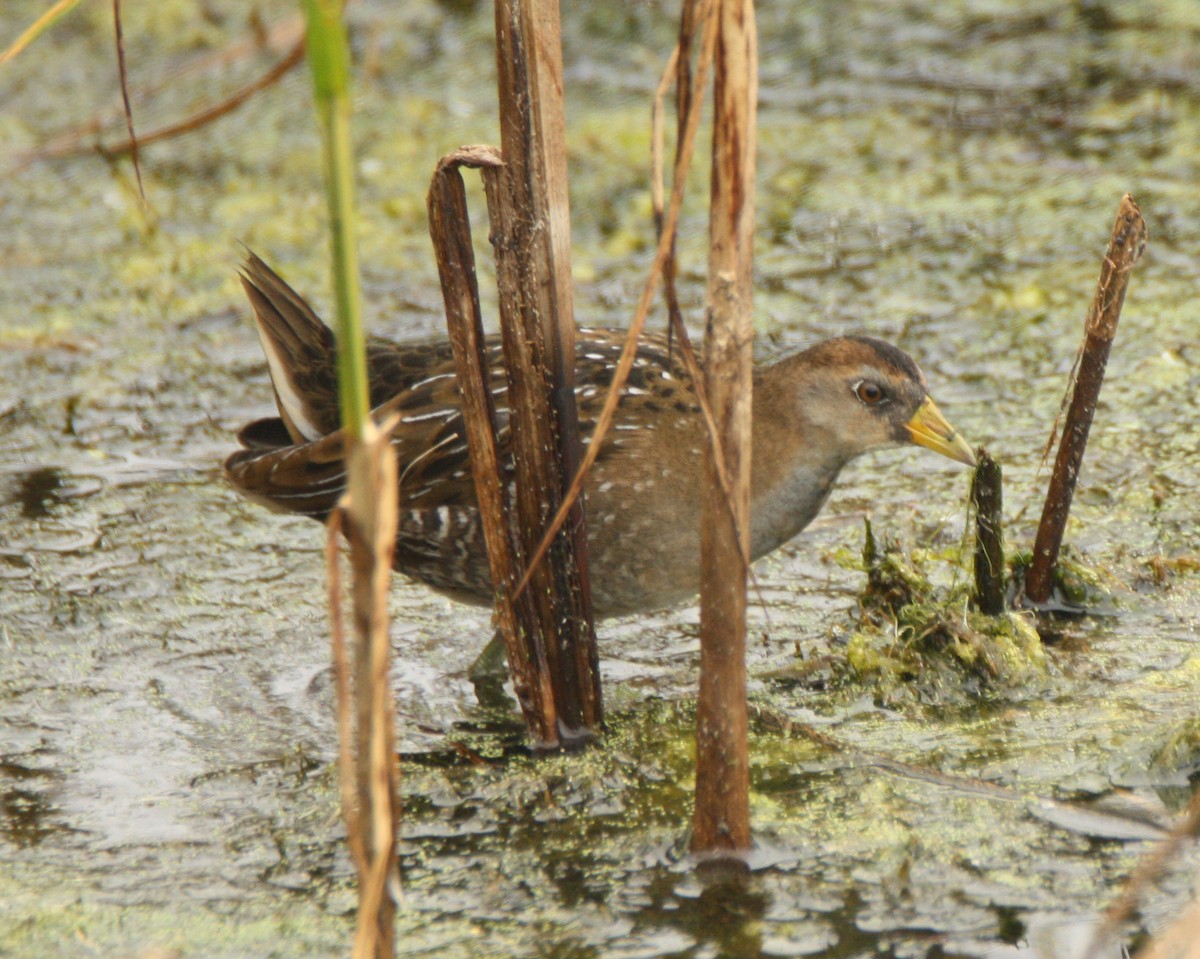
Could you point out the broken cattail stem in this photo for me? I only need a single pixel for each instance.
(450, 228)
(679, 179)
(1124, 249)
(989, 536)
(529, 208)
(369, 524)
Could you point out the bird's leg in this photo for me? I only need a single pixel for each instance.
(489, 672)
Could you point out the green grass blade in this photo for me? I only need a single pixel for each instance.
(328, 56)
(38, 27)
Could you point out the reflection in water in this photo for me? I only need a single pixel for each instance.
(728, 912)
(40, 490)
(23, 817)
(37, 491)
(25, 810)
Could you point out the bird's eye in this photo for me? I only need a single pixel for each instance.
(868, 393)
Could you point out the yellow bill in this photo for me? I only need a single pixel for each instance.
(930, 429)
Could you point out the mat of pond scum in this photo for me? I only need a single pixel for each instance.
(946, 180)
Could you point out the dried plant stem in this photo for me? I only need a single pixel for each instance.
(370, 523)
(368, 771)
(986, 497)
(676, 326)
(123, 74)
(548, 630)
(43, 23)
(1124, 249)
(1149, 867)
(722, 815)
(683, 162)
(657, 193)
(84, 138)
(529, 210)
(208, 115)
(450, 229)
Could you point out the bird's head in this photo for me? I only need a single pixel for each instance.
(858, 394)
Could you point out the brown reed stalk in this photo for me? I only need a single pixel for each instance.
(683, 161)
(676, 328)
(1149, 868)
(529, 209)
(1125, 247)
(722, 814)
(450, 228)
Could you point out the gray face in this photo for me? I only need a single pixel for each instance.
(858, 394)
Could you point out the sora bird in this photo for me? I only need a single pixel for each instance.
(814, 412)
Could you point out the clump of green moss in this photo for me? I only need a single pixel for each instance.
(1075, 582)
(912, 641)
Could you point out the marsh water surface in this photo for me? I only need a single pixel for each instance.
(942, 175)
